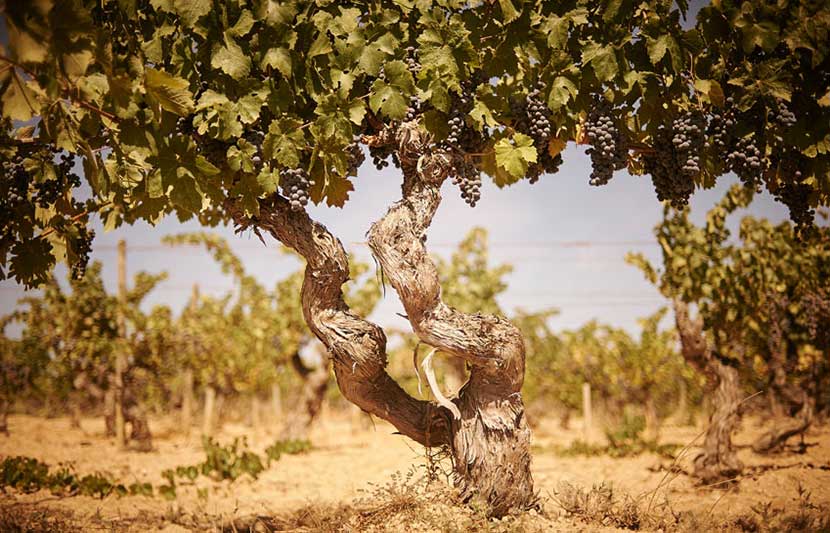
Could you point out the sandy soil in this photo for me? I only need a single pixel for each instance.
(352, 455)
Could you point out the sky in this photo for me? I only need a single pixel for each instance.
(564, 238)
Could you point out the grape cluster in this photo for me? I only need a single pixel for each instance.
(82, 248)
(356, 158)
(796, 196)
(380, 154)
(667, 176)
(461, 105)
(18, 179)
(414, 109)
(783, 116)
(545, 163)
(609, 150)
(794, 193)
(468, 178)
(688, 140)
(746, 161)
(48, 192)
(720, 128)
(185, 125)
(412, 62)
(295, 185)
(538, 116)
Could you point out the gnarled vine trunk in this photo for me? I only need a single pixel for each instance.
(490, 443)
(718, 460)
(775, 438)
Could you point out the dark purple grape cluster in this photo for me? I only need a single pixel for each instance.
(720, 127)
(667, 176)
(356, 158)
(783, 116)
(609, 149)
(414, 109)
(47, 192)
(468, 178)
(794, 193)
(461, 105)
(688, 140)
(82, 248)
(412, 62)
(538, 116)
(185, 125)
(545, 164)
(295, 185)
(380, 154)
(746, 161)
(796, 196)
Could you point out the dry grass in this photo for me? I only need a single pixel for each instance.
(28, 519)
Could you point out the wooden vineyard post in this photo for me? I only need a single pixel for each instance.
(120, 356)
(587, 414)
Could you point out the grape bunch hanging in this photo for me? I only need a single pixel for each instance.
(82, 246)
(746, 160)
(414, 66)
(356, 157)
(670, 181)
(688, 140)
(295, 185)
(609, 150)
(468, 178)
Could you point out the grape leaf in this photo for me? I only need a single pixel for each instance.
(169, 91)
(515, 154)
(230, 59)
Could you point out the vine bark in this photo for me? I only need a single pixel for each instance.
(490, 443)
(718, 460)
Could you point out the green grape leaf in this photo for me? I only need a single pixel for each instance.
(280, 59)
(230, 59)
(515, 154)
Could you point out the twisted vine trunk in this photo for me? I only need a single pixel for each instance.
(718, 460)
(490, 443)
(775, 438)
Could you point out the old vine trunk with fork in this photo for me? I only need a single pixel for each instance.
(490, 442)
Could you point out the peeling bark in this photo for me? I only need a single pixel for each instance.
(491, 442)
(718, 460)
(777, 436)
(356, 346)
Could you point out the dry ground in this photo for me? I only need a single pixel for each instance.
(346, 482)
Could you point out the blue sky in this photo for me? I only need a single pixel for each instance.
(565, 239)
